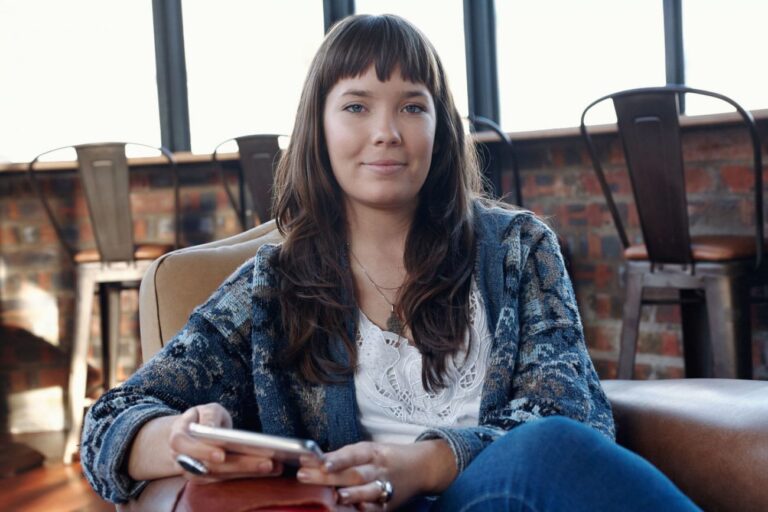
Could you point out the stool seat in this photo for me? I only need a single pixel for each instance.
(707, 248)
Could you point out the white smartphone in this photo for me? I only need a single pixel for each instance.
(284, 449)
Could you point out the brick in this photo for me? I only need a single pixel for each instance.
(668, 314)
(602, 305)
(671, 344)
(606, 369)
(698, 180)
(707, 145)
(600, 337)
(738, 178)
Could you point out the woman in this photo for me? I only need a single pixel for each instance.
(428, 342)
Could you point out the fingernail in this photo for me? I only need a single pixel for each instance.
(344, 495)
(218, 456)
(265, 466)
(302, 475)
(328, 465)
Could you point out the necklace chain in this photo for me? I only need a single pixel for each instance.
(394, 324)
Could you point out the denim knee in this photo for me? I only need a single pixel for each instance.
(524, 459)
(556, 463)
(546, 440)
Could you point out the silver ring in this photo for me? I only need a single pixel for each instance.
(191, 465)
(387, 491)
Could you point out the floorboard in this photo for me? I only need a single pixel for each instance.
(51, 488)
(49, 485)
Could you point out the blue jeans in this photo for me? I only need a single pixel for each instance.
(558, 464)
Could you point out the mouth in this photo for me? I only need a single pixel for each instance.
(385, 163)
(385, 167)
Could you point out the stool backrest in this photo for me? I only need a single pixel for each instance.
(649, 129)
(104, 175)
(259, 155)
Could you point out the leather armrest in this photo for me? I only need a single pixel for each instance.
(709, 436)
(268, 494)
(158, 496)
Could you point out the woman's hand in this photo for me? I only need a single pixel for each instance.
(220, 463)
(424, 467)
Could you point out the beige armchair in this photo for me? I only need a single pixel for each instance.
(710, 436)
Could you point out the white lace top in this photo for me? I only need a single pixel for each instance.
(394, 407)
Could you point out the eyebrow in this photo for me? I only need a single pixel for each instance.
(362, 93)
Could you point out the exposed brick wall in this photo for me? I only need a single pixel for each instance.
(36, 285)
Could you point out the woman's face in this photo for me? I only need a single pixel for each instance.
(380, 138)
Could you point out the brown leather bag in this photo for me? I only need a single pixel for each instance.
(257, 494)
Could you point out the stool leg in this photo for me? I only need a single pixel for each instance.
(110, 331)
(630, 325)
(697, 351)
(729, 321)
(78, 365)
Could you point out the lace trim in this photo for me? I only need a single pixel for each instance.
(389, 374)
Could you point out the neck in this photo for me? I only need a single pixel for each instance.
(379, 231)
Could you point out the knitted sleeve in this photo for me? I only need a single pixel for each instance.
(207, 361)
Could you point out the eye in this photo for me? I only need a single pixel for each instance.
(355, 108)
(414, 109)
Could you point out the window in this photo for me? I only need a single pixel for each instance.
(75, 72)
(723, 44)
(246, 64)
(557, 56)
(442, 21)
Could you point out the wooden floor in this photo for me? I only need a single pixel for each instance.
(54, 488)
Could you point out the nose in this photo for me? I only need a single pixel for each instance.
(386, 130)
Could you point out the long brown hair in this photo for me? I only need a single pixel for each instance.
(315, 293)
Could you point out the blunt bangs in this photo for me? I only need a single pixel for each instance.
(387, 43)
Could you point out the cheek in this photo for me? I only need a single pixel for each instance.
(338, 139)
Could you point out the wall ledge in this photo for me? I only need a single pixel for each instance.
(484, 137)
(602, 129)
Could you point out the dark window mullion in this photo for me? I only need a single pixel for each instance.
(673, 45)
(171, 74)
(334, 10)
(480, 44)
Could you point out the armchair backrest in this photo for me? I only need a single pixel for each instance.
(179, 281)
(649, 129)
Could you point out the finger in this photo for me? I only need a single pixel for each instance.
(213, 415)
(355, 476)
(237, 464)
(181, 442)
(350, 456)
(311, 462)
(371, 507)
(370, 493)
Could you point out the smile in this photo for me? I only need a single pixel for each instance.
(385, 166)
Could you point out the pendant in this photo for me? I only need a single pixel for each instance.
(393, 323)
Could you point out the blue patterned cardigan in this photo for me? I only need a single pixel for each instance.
(539, 365)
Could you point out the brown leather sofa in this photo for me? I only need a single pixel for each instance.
(710, 436)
